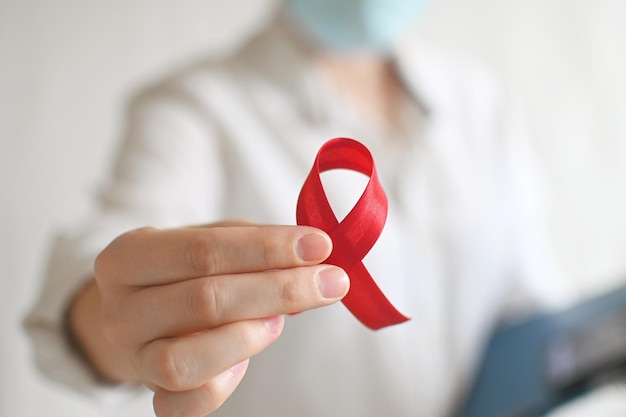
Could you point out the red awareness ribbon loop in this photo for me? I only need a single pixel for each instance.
(355, 235)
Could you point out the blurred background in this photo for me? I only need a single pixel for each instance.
(67, 68)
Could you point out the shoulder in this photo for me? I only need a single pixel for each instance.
(266, 57)
(181, 86)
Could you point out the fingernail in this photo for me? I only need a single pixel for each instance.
(313, 247)
(333, 282)
(274, 324)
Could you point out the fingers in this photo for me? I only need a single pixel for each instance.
(183, 363)
(185, 305)
(200, 401)
(202, 303)
(153, 257)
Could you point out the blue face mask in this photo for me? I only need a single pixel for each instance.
(355, 24)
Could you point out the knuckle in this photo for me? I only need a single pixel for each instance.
(202, 254)
(270, 252)
(292, 291)
(106, 261)
(246, 338)
(169, 367)
(205, 302)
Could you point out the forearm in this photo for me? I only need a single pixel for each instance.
(85, 324)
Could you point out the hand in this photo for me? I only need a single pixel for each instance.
(183, 310)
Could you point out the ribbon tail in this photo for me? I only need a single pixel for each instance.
(368, 303)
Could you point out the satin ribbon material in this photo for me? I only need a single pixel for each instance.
(355, 235)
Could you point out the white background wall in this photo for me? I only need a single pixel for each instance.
(66, 68)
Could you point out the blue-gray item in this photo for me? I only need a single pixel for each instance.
(535, 365)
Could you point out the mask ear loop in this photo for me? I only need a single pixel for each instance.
(355, 235)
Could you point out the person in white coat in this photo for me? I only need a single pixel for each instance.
(142, 294)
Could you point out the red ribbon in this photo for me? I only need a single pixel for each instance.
(355, 235)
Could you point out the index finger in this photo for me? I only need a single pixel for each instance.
(151, 256)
